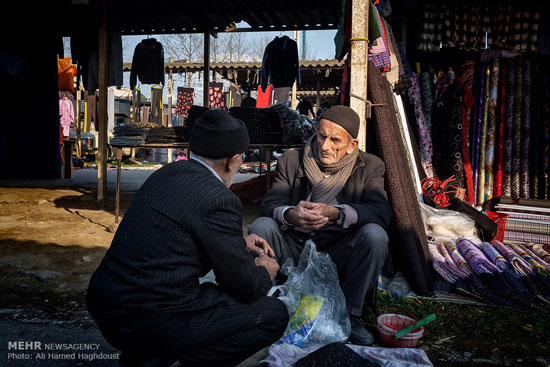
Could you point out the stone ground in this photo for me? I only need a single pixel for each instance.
(52, 237)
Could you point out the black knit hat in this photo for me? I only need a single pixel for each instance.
(216, 134)
(345, 117)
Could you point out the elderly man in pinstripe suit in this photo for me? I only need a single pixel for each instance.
(146, 296)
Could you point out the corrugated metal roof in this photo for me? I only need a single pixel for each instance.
(246, 74)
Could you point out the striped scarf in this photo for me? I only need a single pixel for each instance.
(325, 189)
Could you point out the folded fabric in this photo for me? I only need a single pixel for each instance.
(477, 261)
(457, 257)
(526, 237)
(539, 261)
(518, 264)
(378, 48)
(440, 265)
(496, 258)
(527, 258)
(539, 251)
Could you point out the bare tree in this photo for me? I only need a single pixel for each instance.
(185, 47)
(258, 46)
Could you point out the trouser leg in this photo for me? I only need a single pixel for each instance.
(359, 258)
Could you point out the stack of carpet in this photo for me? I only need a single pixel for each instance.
(264, 125)
(166, 135)
(131, 135)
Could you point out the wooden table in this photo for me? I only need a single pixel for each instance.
(266, 147)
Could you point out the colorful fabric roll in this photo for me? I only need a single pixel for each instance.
(476, 259)
(516, 152)
(496, 258)
(491, 130)
(519, 265)
(514, 236)
(425, 140)
(499, 149)
(426, 90)
(526, 256)
(535, 257)
(508, 128)
(440, 265)
(539, 251)
(478, 117)
(467, 73)
(456, 271)
(458, 259)
(526, 130)
(483, 141)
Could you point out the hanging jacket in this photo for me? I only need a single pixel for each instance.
(281, 63)
(148, 63)
(66, 114)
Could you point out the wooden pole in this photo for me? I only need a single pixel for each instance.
(294, 101)
(206, 75)
(78, 123)
(102, 105)
(170, 94)
(359, 64)
(318, 96)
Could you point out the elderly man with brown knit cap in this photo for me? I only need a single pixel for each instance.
(332, 193)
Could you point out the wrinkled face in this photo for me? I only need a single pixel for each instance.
(236, 162)
(334, 142)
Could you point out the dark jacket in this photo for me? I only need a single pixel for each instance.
(148, 63)
(182, 223)
(364, 190)
(281, 63)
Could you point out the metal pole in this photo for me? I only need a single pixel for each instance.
(117, 196)
(102, 107)
(359, 64)
(170, 94)
(206, 69)
(318, 97)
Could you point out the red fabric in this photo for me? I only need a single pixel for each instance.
(264, 99)
(469, 102)
(499, 155)
(65, 72)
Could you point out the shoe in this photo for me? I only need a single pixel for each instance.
(359, 334)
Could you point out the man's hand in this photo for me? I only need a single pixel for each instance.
(269, 264)
(329, 211)
(307, 215)
(258, 245)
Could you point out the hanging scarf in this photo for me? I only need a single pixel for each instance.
(325, 189)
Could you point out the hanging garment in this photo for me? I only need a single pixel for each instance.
(491, 130)
(476, 137)
(526, 130)
(66, 114)
(148, 63)
(426, 92)
(509, 127)
(499, 149)
(264, 98)
(157, 106)
(467, 73)
(281, 95)
(546, 143)
(483, 136)
(407, 234)
(145, 114)
(516, 152)
(91, 111)
(85, 53)
(216, 96)
(405, 73)
(186, 97)
(424, 138)
(65, 74)
(381, 59)
(280, 63)
(235, 97)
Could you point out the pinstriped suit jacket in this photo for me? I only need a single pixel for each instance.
(182, 223)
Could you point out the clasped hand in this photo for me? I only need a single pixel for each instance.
(312, 216)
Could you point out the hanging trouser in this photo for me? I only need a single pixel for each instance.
(222, 335)
(91, 116)
(359, 256)
(156, 105)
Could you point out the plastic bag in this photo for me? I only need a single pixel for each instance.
(444, 224)
(313, 297)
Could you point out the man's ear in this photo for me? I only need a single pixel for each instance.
(232, 162)
(354, 143)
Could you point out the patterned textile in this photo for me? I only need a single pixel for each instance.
(525, 130)
(492, 254)
(216, 96)
(508, 128)
(426, 90)
(539, 251)
(381, 60)
(443, 268)
(476, 259)
(546, 143)
(516, 152)
(478, 117)
(526, 237)
(535, 257)
(425, 140)
(518, 225)
(456, 271)
(447, 130)
(499, 151)
(431, 28)
(483, 134)
(405, 75)
(527, 257)
(458, 259)
(407, 233)
(523, 34)
(186, 97)
(518, 264)
(467, 73)
(491, 130)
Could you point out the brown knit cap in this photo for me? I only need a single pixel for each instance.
(345, 117)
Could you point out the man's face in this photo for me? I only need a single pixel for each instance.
(237, 161)
(334, 142)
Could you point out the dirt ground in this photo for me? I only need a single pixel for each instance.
(51, 240)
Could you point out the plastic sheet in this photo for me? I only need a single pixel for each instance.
(443, 224)
(313, 289)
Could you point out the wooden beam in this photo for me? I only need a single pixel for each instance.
(206, 75)
(318, 96)
(170, 94)
(102, 105)
(359, 63)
